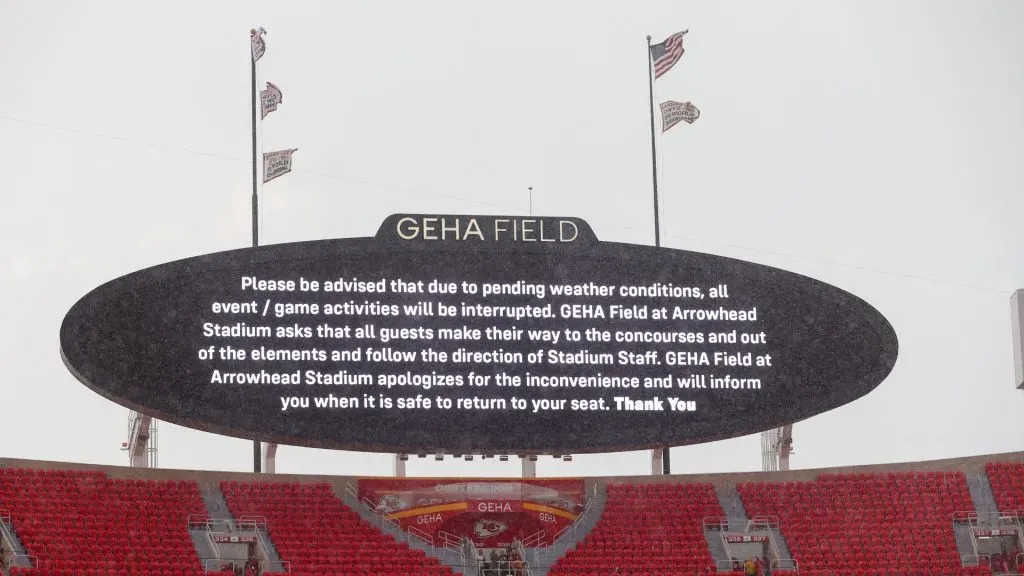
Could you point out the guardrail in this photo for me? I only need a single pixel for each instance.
(533, 539)
(541, 548)
(8, 538)
(256, 522)
(421, 535)
(503, 567)
(281, 565)
(720, 523)
(32, 560)
(449, 540)
(215, 564)
(788, 564)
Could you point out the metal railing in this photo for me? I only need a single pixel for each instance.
(989, 519)
(378, 514)
(718, 523)
(520, 549)
(250, 522)
(8, 538)
(246, 523)
(503, 568)
(771, 525)
(541, 549)
(788, 564)
(977, 560)
(215, 564)
(449, 540)
(533, 540)
(280, 565)
(10, 558)
(421, 535)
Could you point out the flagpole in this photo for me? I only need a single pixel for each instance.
(531, 201)
(654, 150)
(666, 460)
(257, 446)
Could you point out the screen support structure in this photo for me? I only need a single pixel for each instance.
(661, 460)
(257, 446)
(776, 446)
(529, 466)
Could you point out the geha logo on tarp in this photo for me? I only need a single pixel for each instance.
(489, 528)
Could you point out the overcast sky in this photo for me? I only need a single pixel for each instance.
(874, 145)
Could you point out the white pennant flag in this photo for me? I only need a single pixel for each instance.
(277, 164)
(270, 98)
(259, 45)
(673, 113)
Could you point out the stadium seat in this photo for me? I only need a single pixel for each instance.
(319, 535)
(1007, 480)
(865, 524)
(647, 529)
(84, 523)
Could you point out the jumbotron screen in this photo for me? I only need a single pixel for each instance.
(482, 334)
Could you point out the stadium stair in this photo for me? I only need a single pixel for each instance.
(736, 521)
(733, 507)
(81, 522)
(318, 534)
(541, 560)
(216, 507)
(647, 529)
(20, 555)
(274, 562)
(447, 557)
(218, 511)
(202, 544)
(965, 544)
(981, 493)
(864, 523)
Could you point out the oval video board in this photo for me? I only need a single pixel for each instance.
(481, 334)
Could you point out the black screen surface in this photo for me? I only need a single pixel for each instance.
(478, 334)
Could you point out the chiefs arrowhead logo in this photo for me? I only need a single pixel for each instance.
(488, 528)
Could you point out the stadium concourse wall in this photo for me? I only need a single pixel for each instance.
(968, 464)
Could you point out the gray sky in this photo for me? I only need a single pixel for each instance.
(873, 145)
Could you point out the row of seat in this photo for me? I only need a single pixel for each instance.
(852, 523)
(82, 522)
(643, 533)
(291, 515)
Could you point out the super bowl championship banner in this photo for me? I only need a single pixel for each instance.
(490, 512)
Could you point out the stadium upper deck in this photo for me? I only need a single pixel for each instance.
(959, 516)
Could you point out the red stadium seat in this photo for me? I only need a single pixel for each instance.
(646, 528)
(318, 534)
(1007, 480)
(82, 522)
(861, 524)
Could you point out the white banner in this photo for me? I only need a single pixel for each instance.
(277, 164)
(270, 98)
(673, 113)
(259, 45)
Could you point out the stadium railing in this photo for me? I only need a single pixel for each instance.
(12, 560)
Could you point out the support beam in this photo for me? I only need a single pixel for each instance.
(785, 447)
(270, 458)
(399, 466)
(138, 440)
(657, 462)
(529, 466)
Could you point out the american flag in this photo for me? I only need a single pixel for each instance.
(667, 53)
